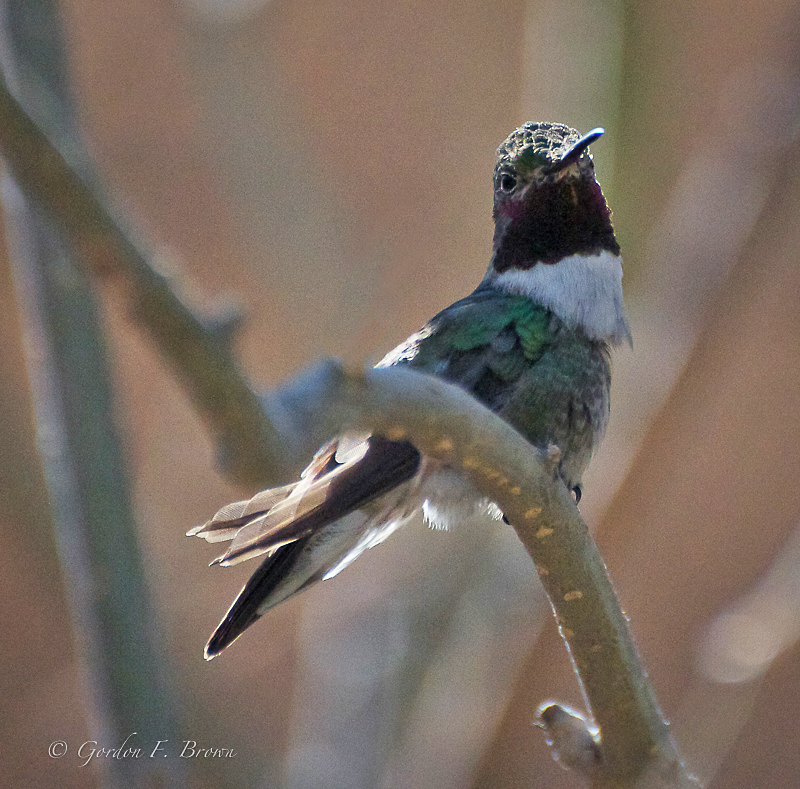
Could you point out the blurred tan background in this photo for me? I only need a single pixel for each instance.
(328, 166)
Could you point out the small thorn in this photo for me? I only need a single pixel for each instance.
(573, 742)
(225, 322)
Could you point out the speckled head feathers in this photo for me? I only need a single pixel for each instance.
(536, 145)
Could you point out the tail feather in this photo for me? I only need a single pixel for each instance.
(230, 519)
(344, 475)
(245, 609)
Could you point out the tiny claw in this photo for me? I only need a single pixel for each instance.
(552, 459)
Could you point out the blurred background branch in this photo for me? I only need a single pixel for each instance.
(128, 690)
(296, 156)
(250, 451)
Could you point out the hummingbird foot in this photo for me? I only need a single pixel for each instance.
(553, 458)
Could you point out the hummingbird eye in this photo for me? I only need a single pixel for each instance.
(506, 183)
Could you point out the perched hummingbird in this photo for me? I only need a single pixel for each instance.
(531, 343)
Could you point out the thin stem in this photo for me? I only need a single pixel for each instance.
(446, 423)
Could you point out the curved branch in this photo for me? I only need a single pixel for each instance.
(446, 423)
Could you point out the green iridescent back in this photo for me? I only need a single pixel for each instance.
(549, 381)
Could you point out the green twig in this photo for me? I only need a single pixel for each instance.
(446, 423)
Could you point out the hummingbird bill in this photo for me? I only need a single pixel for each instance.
(532, 342)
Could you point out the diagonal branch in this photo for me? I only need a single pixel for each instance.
(446, 423)
(249, 446)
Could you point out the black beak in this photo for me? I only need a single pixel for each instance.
(576, 151)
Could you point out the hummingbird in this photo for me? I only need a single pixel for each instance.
(532, 342)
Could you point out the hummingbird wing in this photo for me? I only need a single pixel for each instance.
(275, 516)
(484, 343)
(287, 524)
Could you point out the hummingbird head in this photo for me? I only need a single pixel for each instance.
(542, 153)
(547, 202)
(553, 237)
